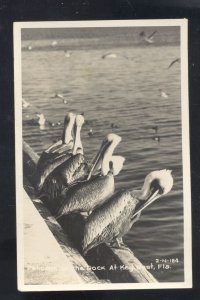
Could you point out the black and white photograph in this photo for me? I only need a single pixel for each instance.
(102, 155)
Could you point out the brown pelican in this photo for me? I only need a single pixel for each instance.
(86, 195)
(57, 153)
(111, 221)
(73, 168)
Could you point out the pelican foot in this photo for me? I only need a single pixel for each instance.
(136, 218)
(118, 244)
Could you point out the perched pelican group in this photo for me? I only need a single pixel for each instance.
(73, 185)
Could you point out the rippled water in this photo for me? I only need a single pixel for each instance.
(124, 92)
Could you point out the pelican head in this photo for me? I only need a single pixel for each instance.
(78, 148)
(116, 164)
(69, 121)
(104, 155)
(156, 184)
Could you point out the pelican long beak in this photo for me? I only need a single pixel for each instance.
(105, 144)
(68, 127)
(66, 142)
(78, 147)
(153, 195)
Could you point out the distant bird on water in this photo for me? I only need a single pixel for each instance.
(155, 128)
(25, 104)
(29, 47)
(109, 55)
(113, 125)
(60, 96)
(177, 60)
(156, 137)
(54, 43)
(41, 120)
(90, 132)
(114, 55)
(68, 53)
(85, 196)
(148, 39)
(163, 94)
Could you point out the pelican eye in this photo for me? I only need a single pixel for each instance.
(155, 185)
(110, 165)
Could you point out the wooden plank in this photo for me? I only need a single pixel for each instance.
(75, 259)
(116, 265)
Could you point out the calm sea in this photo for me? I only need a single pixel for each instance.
(124, 91)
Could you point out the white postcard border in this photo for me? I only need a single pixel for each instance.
(185, 149)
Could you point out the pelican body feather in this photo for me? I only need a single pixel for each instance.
(112, 219)
(73, 169)
(115, 217)
(87, 195)
(47, 164)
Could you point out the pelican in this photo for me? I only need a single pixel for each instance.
(57, 153)
(148, 39)
(86, 195)
(72, 168)
(110, 222)
(75, 168)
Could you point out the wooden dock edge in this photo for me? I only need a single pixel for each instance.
(114, 265)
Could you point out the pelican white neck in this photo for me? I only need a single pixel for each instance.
(78, 147)
(68, 126)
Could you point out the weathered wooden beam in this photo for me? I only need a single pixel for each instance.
(116, 265)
